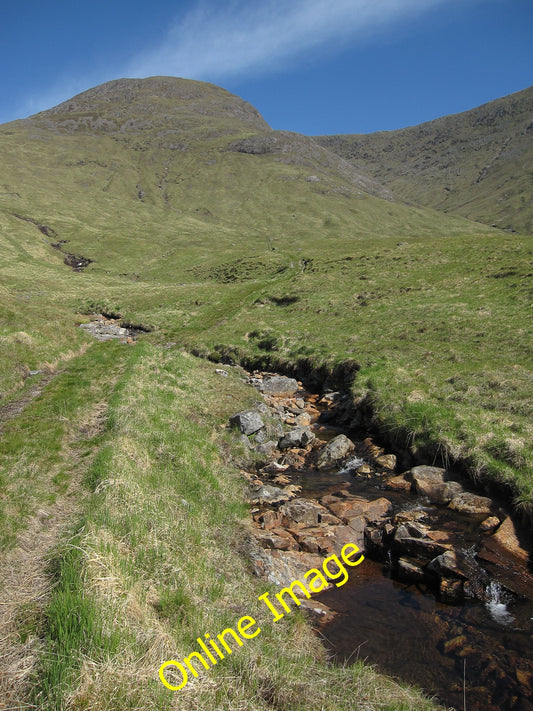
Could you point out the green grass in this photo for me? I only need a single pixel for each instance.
(54, 437)
(157, 561)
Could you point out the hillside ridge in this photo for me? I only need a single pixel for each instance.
(476, 163)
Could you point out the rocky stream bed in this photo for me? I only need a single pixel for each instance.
(444, 597)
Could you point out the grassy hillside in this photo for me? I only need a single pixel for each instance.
(220, 237)
(199, 221)
(477, 164)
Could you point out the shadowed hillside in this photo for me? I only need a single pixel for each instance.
(478, 163)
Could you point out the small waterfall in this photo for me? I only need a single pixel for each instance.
(496, 604)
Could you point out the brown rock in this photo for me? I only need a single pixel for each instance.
(371, 449)
(373, 538)
(413, 515)
(432, 482)
(372, 510)
(269, 520)
(281, 479)
(387, 461)
(505, 542)
(302, 511)
(471, 504)
(266, 494)
(328, 519)
(364, 469)
(446, 565)
(358, 524)
(329, 499)
(489, 524)
(347, 509)
(344, 535)
(398, 483)
(377, 510)
(294, 459)
(282, 567)
(419, 547)
(316, 540)
(440, 536)
(409, 570)
(303, 420)
(278, 539)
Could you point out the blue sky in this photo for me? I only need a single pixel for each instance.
(312, 66)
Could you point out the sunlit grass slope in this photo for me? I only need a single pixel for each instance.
(227, 237)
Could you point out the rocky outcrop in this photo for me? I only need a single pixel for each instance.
(472, 504)
(104, 329)
(279, 385)
(248, 421)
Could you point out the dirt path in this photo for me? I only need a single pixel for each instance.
(15, 407)
(24, 582)
(24, 589)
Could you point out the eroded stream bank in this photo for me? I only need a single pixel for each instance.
(445, 592)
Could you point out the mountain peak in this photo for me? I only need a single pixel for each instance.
(138, 104)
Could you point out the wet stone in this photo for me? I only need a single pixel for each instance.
(489, 524)
(386, 461)
(446, 565)
(471, 504)
(419, 547)
(398, 483)
(410, 570)
(334, 451)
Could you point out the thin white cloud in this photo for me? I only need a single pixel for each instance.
(217, 40)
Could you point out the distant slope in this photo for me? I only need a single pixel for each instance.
(478, 164)
(147, 177)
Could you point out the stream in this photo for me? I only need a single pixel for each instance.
(474, 653)
(478, 651)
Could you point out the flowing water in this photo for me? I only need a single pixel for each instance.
(476, 655)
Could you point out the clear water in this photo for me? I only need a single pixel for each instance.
(481, 651)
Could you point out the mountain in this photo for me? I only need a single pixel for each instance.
(180, 160)
(478, 164)
(172, 204)
(172, 208)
